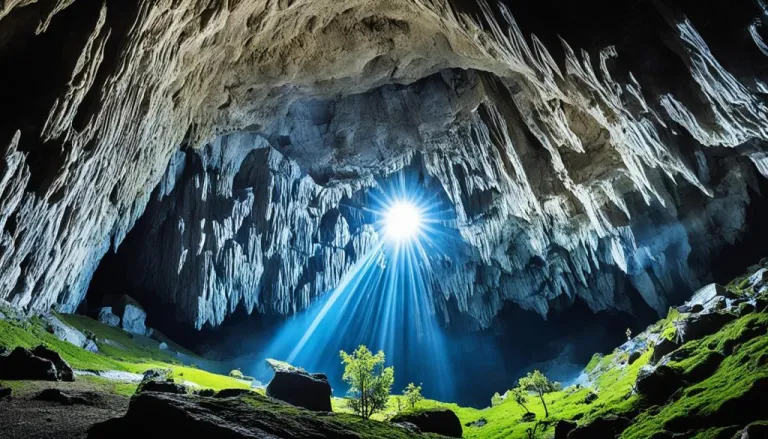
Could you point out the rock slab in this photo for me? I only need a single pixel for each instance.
(302, 389)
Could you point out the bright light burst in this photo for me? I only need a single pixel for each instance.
(403, 221)
(385, 300)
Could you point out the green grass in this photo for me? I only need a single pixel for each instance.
(118, 350)
(734, 377)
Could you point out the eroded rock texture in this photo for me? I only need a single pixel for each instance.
(609, 174)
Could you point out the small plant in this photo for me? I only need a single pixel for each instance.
(496, 399)
(537, 382)
(520, 396)
(413, 394)
(369, 381)
(629, 334)
(236, 373)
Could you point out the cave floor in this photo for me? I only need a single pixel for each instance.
(24, 417)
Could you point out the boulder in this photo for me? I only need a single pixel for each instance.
(231, 393)
(56, 395)
(5, 392)
(563, 427)
(634, 356)
(208, 393)
(161, 387)
(757, 430)
(157, 375)
(302, 389)
(438, 421)
(63, 371)
(22, 364)
(134, 319)
(107, 317)
(64, 332)
(478, 423)
(153, 415)
(745, 308)
(702, 325)
(132, 315)
(609, 426)
(705, 294)
(758, 279)
(662, 348)
(590, 398)
(705, 368)
(657, 384)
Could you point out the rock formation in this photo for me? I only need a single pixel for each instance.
(571, 173)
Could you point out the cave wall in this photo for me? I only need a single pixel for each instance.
(569, 171)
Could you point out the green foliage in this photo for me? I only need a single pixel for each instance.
(117, 351)
(520, 396)
(538, 383)
(593, 362)
(369, 381)
(236, 373)
(496, 399)
(412, 394)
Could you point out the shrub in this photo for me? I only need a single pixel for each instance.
(236, 373)
(369, 381)
(413, 394)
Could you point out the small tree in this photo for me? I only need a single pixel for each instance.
(413, 394)
(520, 395)
(496, 399)
(537, 382)
(369, 381)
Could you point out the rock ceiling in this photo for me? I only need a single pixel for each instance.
(571, 175)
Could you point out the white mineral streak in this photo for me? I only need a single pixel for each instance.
(566, 182)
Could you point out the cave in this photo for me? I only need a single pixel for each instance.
(483, 191)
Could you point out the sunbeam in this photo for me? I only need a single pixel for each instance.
(385, 300)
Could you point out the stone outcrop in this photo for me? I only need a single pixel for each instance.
(438, 421)
(107, 317)
(571, 174)
(158, 415)
(22, 364)
(310, 391)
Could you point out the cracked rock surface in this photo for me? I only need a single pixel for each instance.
(612, 173)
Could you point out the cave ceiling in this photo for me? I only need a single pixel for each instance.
(233, 133)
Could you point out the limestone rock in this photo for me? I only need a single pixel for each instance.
(63, 370)
(575, 173)
(107, 317)
(162, 415)
(302, 389)
(662, 348)
(608, 426)
(658, 383)
(21, 364)
(439, 421)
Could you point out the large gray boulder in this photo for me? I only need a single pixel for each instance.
(67, 333)
(132, 315)
(107, 317)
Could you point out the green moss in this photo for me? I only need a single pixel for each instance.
(593, 362)
(118, 350)
(731, 380)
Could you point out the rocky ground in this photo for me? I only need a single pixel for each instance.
(22, 416)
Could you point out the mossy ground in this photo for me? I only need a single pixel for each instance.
(118, 350)
(610, 376)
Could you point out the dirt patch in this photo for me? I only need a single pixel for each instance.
(23, 417)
